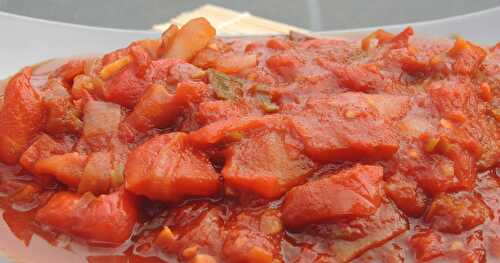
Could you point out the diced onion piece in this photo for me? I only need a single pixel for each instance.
(431, 144)
(63, 240)
(448, 170)
(381, 35)
(350, 114)
(235, 63)
(96, 174)
(446, 123)
(259, 255)
(165, 237)
(167, 38)
(199, 74)
(270, 224)
(190, 39)
(117, 175)
(190, 252)
(114, 67)
(456, 245)
(201, 258)
(496, 114)
(460, 45)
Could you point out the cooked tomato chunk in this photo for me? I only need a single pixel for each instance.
(351, 193)
(268, 163)
(406, 195)
(125, 87)
(21, 117)
(42, 148)
(62, 114)
(218, 110)
(285, 65)
(455, 213)
(104, 220)
(381, 227)
(427, 245)
(71, 69)
(204, 231)
(158, 108)
(100, 123)
(167, 168)
(345, 127)
(356, 78)
(347, 239)
(218, 131)
(66, 168)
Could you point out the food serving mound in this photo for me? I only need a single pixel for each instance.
(194, 148)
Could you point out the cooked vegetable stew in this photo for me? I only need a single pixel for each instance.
(194, 148)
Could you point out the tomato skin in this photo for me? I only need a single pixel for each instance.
(268, 164)
(218, 110)
(167, 168)
(356, 78)
(106, 220)
(357, 192)
(216, 132)
(21, 117)
(344, 128)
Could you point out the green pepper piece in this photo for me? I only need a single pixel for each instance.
(267, 104)
(225, 86)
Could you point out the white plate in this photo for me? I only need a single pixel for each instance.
(26, 41)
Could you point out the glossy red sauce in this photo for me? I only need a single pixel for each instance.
(193, 148)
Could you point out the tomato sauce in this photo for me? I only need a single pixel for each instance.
(194, 148)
